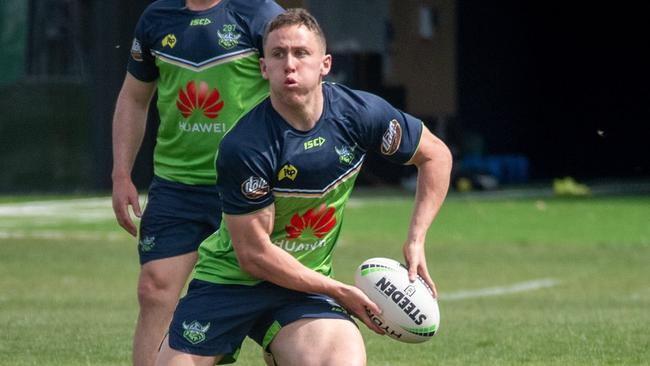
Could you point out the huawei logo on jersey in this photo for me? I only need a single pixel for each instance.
(189, 99)
(320, 223)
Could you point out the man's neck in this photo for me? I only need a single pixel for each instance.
(302, 117)
(199, 5)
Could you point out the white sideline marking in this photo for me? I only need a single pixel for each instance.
(64, 235)
(83, 209)
(33, 214)
(500, 290)
(362, 202)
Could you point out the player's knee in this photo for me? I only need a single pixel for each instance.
(154, 292)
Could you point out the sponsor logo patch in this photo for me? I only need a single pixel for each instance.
(195, 331)
(293, 246)
(169, 41)
(136, 50)
(228, 36)
(190, 99)
(392, 138)
(254, 188)
(319, 223)
(288, 171)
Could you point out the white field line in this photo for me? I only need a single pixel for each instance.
(500, 290)
(64, 235)
(362, 202)
(20, 220)
(84, 209)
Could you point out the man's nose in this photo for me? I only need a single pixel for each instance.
(289, 65)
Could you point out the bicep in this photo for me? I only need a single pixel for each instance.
(137, 91)
(430, 148)
(251, 232)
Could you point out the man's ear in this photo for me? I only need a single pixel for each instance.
(326, 65)
(263, 68)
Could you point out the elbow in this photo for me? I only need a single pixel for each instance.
(442, 155)
(448, 157)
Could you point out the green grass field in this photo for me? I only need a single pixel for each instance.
(527, 281)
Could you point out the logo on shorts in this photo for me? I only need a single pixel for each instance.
(254, 188)
(190, 99)
(392, 138)
(195, 331)
(147, 243)
(319, 223)
(346, 153)
(228, 36)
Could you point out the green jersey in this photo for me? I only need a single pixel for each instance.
(307, 175)
(206, 65)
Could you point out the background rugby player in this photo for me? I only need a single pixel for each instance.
(201, 56)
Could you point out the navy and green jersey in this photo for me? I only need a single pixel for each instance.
(308, 176)
(207, 71)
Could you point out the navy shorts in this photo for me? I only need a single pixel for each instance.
(177, 218)
(214, 319)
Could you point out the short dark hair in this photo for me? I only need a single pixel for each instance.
(296, 16)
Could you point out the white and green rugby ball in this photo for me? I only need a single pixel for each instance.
(409, 313)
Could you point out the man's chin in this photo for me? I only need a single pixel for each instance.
(293, 99)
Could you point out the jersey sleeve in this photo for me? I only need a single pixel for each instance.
(259, 14)
(243, 179)
(142, 64)
(392, 133)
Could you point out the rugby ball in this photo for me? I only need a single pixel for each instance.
(409, 313)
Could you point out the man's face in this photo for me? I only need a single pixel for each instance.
(294, 63)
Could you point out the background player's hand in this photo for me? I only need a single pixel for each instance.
(355, 301)
(124, 195)
(416, 263)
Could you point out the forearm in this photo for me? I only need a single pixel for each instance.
(258, 256)
(275, 265)
(434, 170)
(128, 133)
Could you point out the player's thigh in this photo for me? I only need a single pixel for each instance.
(171, 357)
(319, 342)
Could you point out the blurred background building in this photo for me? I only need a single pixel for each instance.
(521, 91)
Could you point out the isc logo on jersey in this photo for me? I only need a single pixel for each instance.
(200, 21)
(205, 100)
(318, 141)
